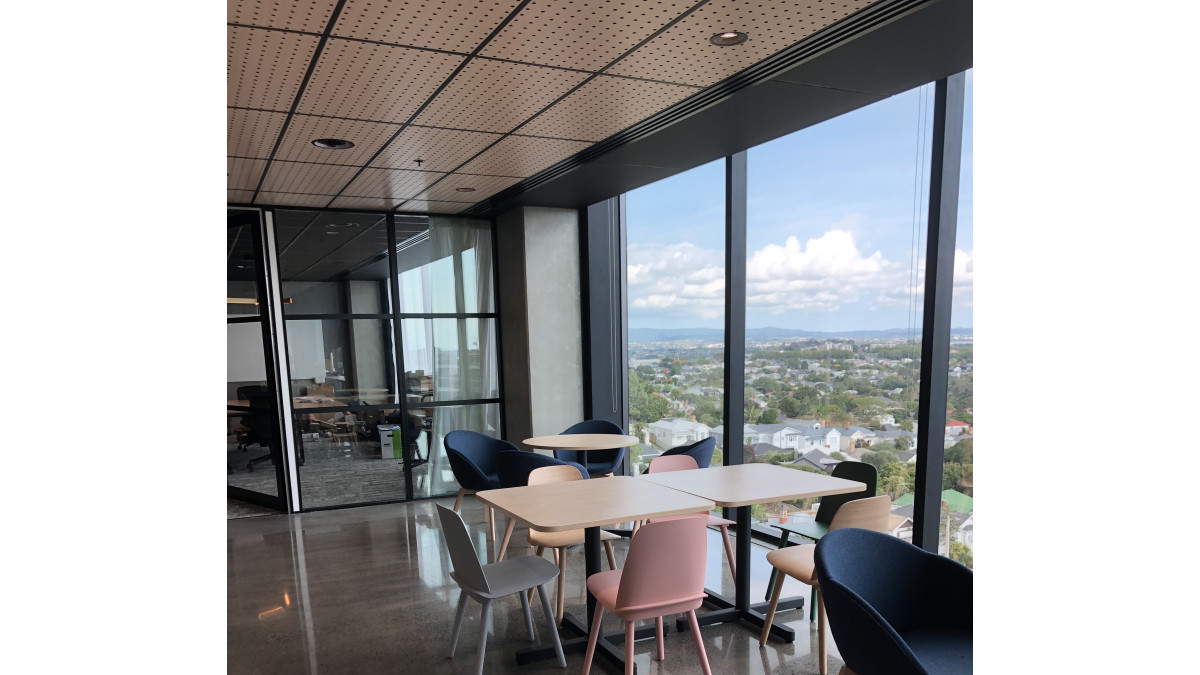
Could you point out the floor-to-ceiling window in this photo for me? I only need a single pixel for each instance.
(675, 237)
(836, 223)
(390, 345)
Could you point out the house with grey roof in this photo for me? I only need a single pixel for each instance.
(675, 431)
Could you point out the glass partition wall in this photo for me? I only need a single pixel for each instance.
(389, 326)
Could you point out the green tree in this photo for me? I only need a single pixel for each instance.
(960, 552)
(903, 443)
(880, 458)
(790, 407)
(838, 456)
(962, 452)
(768, 416)
(906, 425)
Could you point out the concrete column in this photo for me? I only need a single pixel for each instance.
(537, 253)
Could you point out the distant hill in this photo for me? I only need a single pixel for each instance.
(643, 335)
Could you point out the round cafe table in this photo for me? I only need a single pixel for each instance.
(581, 442)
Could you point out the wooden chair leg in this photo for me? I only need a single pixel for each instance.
(766, 631)
(612, 558)
(594, 633)
(695, 626)
(508, 530)
(538, 553)
(658, 635)
(562, 586)
(729, 551)
(458, 499)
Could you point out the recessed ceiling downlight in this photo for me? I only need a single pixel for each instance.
(333, 144)
(341, 226)
(728, 38)
(464, 189)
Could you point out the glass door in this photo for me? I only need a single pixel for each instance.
(254, 442)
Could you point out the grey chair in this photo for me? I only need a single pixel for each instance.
(497, 580)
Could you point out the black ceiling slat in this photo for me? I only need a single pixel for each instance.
(312, 65)
(859, 23)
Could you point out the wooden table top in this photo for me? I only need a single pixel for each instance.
(581, 441)
(746, 484)
(555, 507)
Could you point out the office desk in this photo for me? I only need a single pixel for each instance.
(588, 504)
(740, 487)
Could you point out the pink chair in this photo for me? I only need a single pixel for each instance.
(663, 574)
(685, 463)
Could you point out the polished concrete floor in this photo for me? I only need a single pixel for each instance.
(367, 590)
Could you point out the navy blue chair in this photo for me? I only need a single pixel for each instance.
(893, 608)
(513, 468)
(701, 451)
(472, 458)
(598, 462)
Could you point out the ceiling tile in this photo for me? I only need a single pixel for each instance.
(587, 35)
(522, 156)
(485, 186)
(683, 53)
(497, 96)
(437, 24)
(375, 82)
(287, 199)
(367, 138)
(605, 106)
(321, 179)
(421, 206)
(243, 174)
(391, 183)
(251, 133)
(305, 15)
(441, 149)
(239, 196)
(374, 203)
(265, 67)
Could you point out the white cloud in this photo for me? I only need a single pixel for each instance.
(680, 279)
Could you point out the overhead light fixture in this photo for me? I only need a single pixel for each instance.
(464, 189)
(728, 38)
(332, 144)
(338, 226)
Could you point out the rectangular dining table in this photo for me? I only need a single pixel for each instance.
(741, 486)
(588, 504)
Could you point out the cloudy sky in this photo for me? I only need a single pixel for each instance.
(830, 229)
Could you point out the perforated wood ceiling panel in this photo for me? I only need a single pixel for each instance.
(239, 196)
(384, 63)
(605, 106)
(318, 179)
(440, 149)
(373, 203)
(586, 35)
(391, 183)
(497, 96)
(452, 25)
(485, 186)
(367, 137)
(374, 82)
(522, 156)
(302, 15)
(250, 133)
(683, 53)
(243, 174)
(265, 67)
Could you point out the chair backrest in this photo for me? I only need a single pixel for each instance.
(591, 427)
(701, 451)
(665, 564)
(671, 463)
(869, 513)
(859, 471)
(877, 587)
(555, 474)
(472, 457)
(514, 466)
(463, 556)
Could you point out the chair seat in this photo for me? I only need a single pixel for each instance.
(941, 651)
(567, 538)
(807, 528)
(514, 575)
(796, 561)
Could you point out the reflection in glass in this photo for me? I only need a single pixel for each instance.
(449, 270)
(351, 456)
(450, 359)
(434, 477)
(834, 274)
(347, 360)
(675, 276)
(252, 428)
(242, 289)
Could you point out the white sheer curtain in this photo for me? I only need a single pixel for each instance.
(459, 352)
